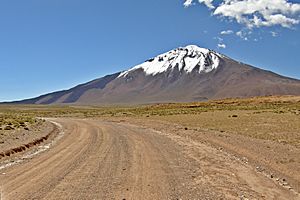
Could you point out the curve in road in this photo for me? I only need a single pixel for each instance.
(107, 160)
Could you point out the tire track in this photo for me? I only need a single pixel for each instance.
(108, 160)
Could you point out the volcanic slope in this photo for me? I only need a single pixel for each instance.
(184, 74)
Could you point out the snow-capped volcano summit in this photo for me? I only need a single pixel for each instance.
(184, 74)
(186, 59)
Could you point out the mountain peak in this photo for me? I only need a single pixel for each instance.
(187, 74)
(195, 48)
(188, 59)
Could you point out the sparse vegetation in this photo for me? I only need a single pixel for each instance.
(278, 105)
(15, 120)
(269, 118)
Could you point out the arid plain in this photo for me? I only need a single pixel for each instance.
(222, 149)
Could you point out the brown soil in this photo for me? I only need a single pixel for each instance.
(275, 158)
(99, 159)
(15, 138)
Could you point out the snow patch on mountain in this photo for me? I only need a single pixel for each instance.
(186, 59)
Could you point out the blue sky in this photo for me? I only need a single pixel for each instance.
(48, 45)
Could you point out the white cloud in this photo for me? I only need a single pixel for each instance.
(223, 46)
(243, 34)
(239, 33)
(188, 3)
(274, 34)
(218, 38)
(208, 3)
(227, 32)
(256, 13)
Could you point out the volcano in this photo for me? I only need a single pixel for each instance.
(185, 74)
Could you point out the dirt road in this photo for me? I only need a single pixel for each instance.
(109, 160)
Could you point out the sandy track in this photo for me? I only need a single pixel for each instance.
(107, 160)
